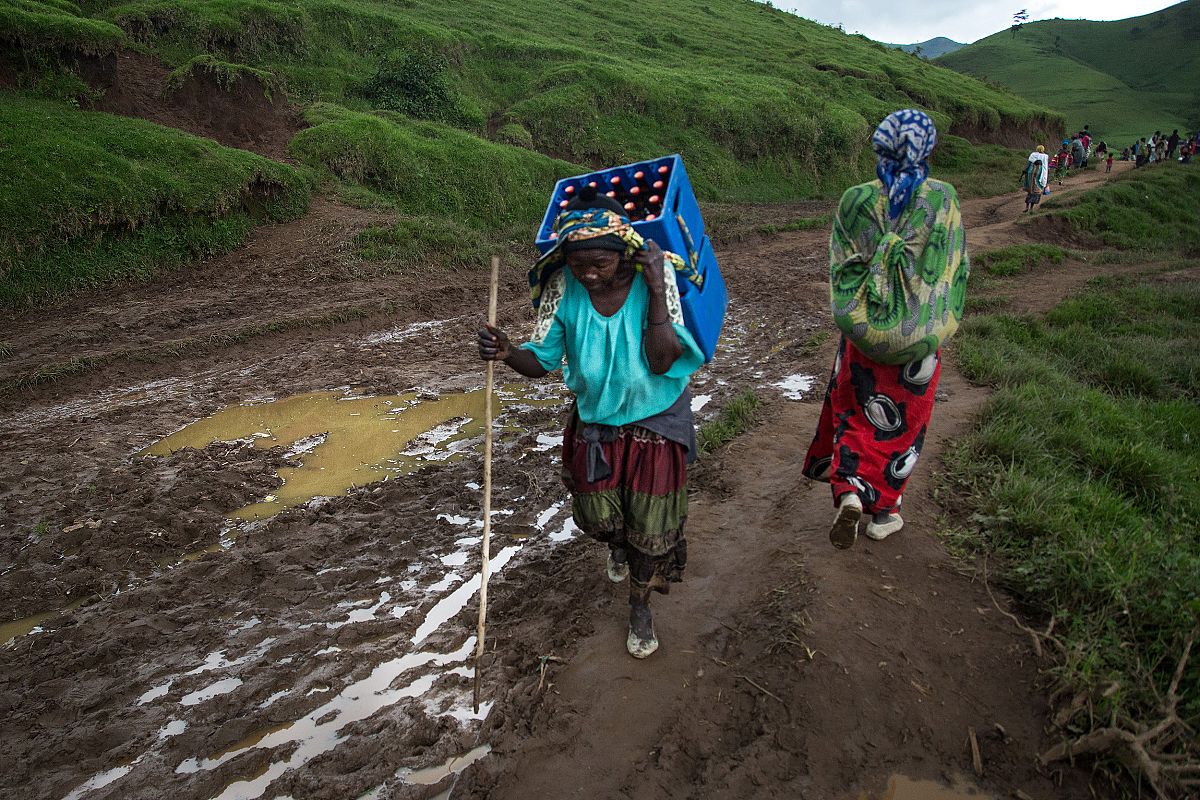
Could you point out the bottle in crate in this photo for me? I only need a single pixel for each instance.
(664, 209)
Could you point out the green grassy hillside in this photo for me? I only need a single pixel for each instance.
(470, 111)
(1125, 79)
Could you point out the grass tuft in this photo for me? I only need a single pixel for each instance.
(50, 26)
(1018, 258)
(414, 245)
(736, 417)
(430, 169)
(225, 74)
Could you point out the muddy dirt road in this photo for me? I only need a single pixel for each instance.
(193, 617)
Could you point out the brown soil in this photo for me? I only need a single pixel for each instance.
(245, 114)
(1009, 134)
(787, 669)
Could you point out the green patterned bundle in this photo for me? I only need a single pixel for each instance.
(898, 287)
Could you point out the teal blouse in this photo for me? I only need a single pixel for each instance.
(606, 366)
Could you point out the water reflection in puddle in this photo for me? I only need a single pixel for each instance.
(435, 774)
(223, 686)
(321, 729)
(318, 731)
(348, 441)
(795, 387)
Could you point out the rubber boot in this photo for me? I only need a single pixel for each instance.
(618, 564)
(641, 641)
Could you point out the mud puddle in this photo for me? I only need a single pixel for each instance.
(340, 442)
(901, 787)
(32, 623)
(343, 442)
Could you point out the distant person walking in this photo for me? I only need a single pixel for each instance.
(898, 272)
(1078, 154)
(1085, 139)
(1140, 152)
(1061, 161)
(1036, 177)
(1108, 163)
(1172, 143)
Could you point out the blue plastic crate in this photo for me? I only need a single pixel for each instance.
(704, 306)
(678, 227)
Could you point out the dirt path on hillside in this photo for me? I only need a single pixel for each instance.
(322, 651)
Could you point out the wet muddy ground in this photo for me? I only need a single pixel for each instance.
(249, 569)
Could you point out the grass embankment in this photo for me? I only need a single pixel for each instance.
(1083, 474)
(459, 117)
(1125, 79)
(46, 26)
(1150, 210)
(91, 199)
(461, 196)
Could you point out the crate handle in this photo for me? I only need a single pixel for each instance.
(693, 256)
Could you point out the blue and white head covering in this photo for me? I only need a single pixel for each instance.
(903, 141)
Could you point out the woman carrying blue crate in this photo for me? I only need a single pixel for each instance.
(612, 320)
(898, 278)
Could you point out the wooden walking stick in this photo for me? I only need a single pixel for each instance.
(487, 486)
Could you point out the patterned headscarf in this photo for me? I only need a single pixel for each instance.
(903, 141)
(582, 225)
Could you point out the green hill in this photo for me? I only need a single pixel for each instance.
(1125, 79)
(465, 113)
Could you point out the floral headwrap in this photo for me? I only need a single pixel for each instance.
(903, 141)
(595, 223)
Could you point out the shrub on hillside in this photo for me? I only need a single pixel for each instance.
(413, 83)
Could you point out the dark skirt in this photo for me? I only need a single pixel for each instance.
(640, 507)
(872, 426)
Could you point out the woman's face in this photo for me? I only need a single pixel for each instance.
(594, 268)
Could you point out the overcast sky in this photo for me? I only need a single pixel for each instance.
(909, 22)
